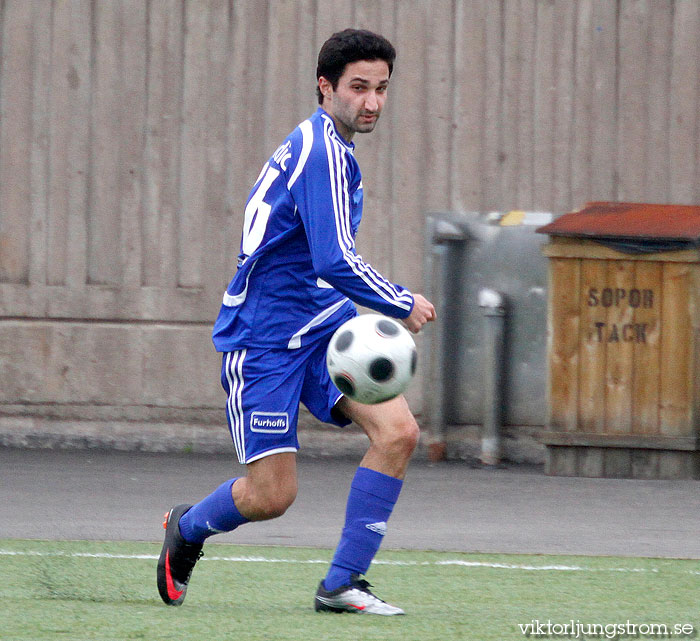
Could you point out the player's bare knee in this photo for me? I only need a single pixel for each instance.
(410, 434)
(399, 441)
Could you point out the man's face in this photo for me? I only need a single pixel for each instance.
(357, 101)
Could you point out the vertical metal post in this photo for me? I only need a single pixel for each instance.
(441, 235)
(493, 308)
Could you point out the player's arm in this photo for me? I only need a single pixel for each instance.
(321, 195)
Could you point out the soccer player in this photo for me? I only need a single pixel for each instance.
(297, 279)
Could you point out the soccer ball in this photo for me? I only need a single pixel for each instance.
(371, 358)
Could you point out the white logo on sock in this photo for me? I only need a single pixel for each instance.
(379, 528)
(214, 530)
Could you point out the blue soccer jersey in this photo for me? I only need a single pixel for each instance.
(298, 269)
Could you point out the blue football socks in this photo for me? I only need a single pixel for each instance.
(370, 503)
(214, 514)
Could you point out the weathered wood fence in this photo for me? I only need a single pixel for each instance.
(131, 131)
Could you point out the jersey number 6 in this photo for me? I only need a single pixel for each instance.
(257, 212)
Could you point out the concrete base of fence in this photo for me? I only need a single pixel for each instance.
(180, 431)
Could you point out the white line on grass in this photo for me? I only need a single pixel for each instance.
(263, 559)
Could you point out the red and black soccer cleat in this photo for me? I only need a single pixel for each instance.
(177, 559)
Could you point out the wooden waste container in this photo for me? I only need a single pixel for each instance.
(624, 342)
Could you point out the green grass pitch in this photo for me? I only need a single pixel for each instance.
(106, 591)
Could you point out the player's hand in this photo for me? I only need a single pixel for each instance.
(423, 312)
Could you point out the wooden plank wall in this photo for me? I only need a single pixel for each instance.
(131, 131)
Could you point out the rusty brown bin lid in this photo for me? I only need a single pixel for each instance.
(638, 221)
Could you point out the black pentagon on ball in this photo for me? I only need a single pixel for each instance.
(387, 328)
(344, 384)
(414, 361)
(344, 341)
(381, 369)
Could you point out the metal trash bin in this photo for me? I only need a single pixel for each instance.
(623, 344)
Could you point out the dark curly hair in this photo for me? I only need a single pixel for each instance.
(348, 46)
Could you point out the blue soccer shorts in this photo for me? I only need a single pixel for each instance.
(265, 387)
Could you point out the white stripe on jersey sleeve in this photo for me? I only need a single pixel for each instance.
(307, 140)
(339, 189)
(345, 236)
